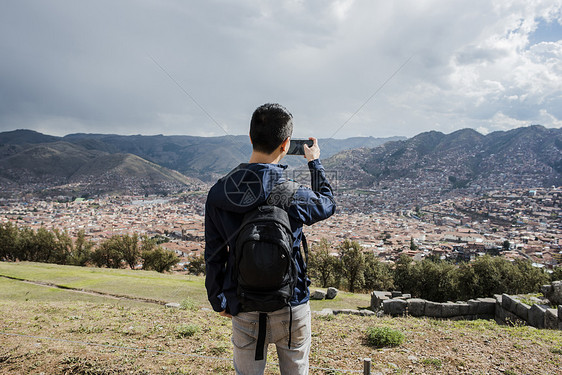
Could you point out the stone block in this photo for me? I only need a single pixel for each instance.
(473, 306)
(546, 289)
(433, 309)
(464, 308)
(450, 309)
(406, 295)
(377, 299)
(354, 312)
(507, 302)
(522, 310)
(416, 307)
(395, 307)
(560, 317)
(396, 293)
(551, 319)
(318, 295)
(555, 293)
(331, 293)
(536, 316)
(487, 306)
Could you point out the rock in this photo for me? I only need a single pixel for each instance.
(473, 306)
(522, 310)
(554, 295)
(354, 312)
(331, 293)
(560, 317)
(396, 293)
(416, 307)
(450, 310)
(536, 316)
(377, 299)
(546, 289)
(318, 295)
(551, 319)
(173, 305)
(433, 309)
(324, 312)
(487, 306)
(464, 308)
(395, 307)
(508, 302)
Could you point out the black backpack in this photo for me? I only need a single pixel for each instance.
(265, 270)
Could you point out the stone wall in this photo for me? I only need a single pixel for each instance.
(504, 309)
(510, 310)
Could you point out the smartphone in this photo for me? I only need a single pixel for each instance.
(297, 146)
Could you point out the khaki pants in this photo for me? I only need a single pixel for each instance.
(293, 360)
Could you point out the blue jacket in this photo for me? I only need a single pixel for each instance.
(244, 188)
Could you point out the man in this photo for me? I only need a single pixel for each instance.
(246, 187)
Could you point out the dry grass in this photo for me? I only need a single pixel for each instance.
(95, 335)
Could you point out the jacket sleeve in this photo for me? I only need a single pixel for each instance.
(311, 205)
(216, 255)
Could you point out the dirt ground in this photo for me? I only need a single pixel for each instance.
(125, 337)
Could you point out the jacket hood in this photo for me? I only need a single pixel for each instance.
(246, 186)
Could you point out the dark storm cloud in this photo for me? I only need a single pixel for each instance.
(122, 67)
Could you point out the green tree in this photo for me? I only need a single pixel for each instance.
(413, 245)
(556, 274)
(322, 266)
(129, 248)
(43, 246)
(531, 278)
(8, 242)
(196, 265)
(81, 252)
(467, 282)
(62, 248)
(377, 275)
(403, 275)
(353, 264)
(159, 259)
(108, 254)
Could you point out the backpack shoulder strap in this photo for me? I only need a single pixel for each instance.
(282, 194)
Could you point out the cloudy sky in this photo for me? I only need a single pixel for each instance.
(342, 67)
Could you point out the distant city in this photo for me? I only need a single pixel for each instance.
(515, 224)
(453, 196)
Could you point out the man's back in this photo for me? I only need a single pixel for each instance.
(244, 189)
(241, 191)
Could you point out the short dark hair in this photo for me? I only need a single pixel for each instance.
(271, 124)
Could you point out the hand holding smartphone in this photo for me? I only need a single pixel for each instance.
(297, 146)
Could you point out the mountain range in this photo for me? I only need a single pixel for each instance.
(98, 163)
(433, 164)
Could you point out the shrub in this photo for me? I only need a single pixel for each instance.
(380, 337)
(435, 362)
(187, 330)
(188, 304)
(159, 259)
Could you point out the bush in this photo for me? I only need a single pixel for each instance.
(380, 337)
(159, 259)
(187, 330)
(188, 304)
(196, 265)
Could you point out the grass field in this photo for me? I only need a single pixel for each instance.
(50, 330)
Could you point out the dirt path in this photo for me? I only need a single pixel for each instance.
(85, 291)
